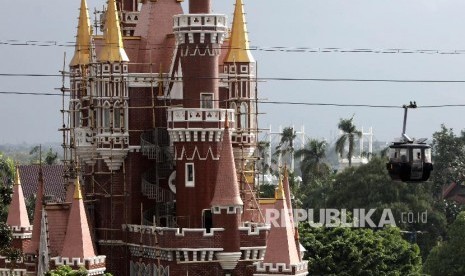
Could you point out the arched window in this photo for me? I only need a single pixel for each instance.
(117, 115)
(244, 112)
(125, 116)
(106, 116)
(234, 107)
(77, 115)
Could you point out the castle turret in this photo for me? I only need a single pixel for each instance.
(17, 219)
(78, 248)
(239, 93)
(282, 255)
(196, 127)
(226, 205)
(112, 96)
(81, 103)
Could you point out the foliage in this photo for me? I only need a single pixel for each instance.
(66, 270)
(50, 158)
(30, 206)
(449, 158)
(349, 133)
(286, 144)
(447, 257)
(358, 251)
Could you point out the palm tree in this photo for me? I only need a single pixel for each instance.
(313, 153)
(349, 133)
(286, 144)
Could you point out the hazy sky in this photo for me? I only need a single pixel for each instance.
(348, 24)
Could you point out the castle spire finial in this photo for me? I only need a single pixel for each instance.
(17, 177)
(279, 193)
(82, 53)
(239, 40)
(113, 49)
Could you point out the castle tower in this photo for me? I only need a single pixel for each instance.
(227, 206)
(239, 71)
(112, 97)
(78, 248)
(81, 104)
(17, 219)
(196, 128)
(282, 255)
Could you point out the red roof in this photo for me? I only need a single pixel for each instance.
(17, 213)
(53, 181)
(227, 186)
(78, 241)
(281, 246)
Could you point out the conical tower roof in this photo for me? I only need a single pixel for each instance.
(17, 213)
(113, 49)
(239, 40)
(82, 53)
(36, 230)
(281, 245)
(287, 192)
(78, 241)
(227, 186)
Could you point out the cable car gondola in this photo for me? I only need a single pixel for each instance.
(409, 159)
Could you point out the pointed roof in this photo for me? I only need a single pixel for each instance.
(78, 241)
(17, 213)
(82, 53)
(281, 245)
(226, 186)
(287, 192)
(36, 230)
(239, 40)
(113, 49)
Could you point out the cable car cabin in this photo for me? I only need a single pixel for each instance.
(409, 162)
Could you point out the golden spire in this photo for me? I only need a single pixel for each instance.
(279, 192)
(239, 40)
(17, 178)
(83, 39)
(77, 189)
(113, 49)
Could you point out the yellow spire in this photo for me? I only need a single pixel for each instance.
(17, 178)
(83, 38)
(239, 40)
(279, 192)
(113, 49)
(77, 189)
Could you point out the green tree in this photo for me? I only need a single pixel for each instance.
(447, 258)
(66, 270)
(349, 133)
(286, 144)
(358, 251)
(49, 159)
(313, 155)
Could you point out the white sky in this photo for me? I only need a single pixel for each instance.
(380, 24)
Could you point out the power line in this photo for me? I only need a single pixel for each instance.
(264, 79)
(266, 102)
(285, 49)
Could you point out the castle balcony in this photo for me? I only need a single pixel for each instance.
(186, 25)
(199, 118)
(85, 145)
(113, 148)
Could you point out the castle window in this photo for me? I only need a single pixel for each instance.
(243, 116)
(117, 116)
(244, 69)
(190, 175)
(206, 100)
(106, 116)
(77, 115)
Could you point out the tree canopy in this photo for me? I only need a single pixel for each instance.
(359, 251)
